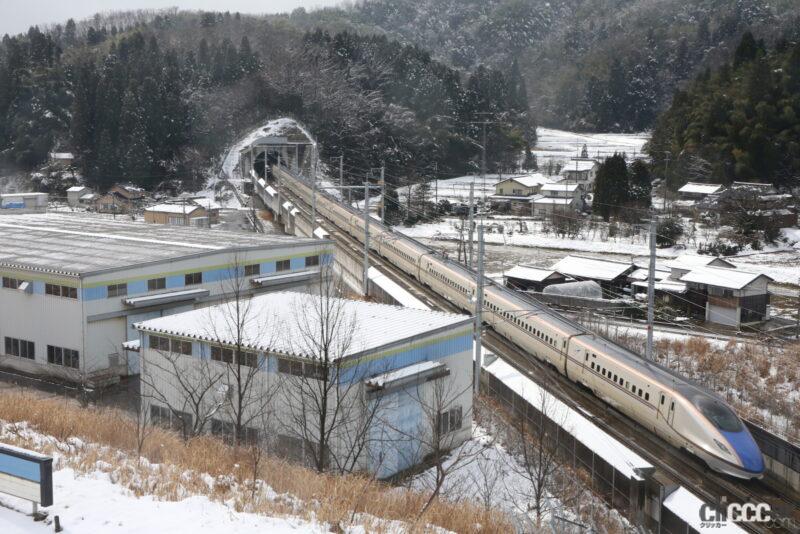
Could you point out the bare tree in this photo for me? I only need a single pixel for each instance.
(235, 328)
(548, 487)
(327, 410)
(445, 424)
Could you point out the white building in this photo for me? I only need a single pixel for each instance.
(561, 196)
(732, 297)
(73, 285)
(580, 171)
(79, 194)
(390, 374)
(23, 203)
(516, 194)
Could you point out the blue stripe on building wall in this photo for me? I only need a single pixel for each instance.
(176, 281)
(139, 286)
(19, 467)
(94, 293)
(38, 288)
(297, 263)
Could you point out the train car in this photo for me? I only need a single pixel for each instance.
(659, 400)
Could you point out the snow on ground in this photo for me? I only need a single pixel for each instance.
(456, 190)
(560, 145)
(92, 504)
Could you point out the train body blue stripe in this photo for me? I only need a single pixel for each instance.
(19, 467)
(747, 450)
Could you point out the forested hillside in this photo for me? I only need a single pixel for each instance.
(739, 123)
(154, 98)
(604, 65)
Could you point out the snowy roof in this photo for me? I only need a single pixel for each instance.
(425, 368)
(62, 155)
(181, 209)
(523, 272)
(82, 243)
(549, 200)
(207, 203)
(584, 430)
(690, 261)
(722, 277)
(643, 274)
(580, 267)
(579, 165)
(686, 505)
(668, 286)
(89, 196)
(529, 180)
(76, 188)
(276, 322)
(560, 187)
(701, 189)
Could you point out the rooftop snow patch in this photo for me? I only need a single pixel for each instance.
(529, 180)
(722, 277)
(523, 272)
(701, 189)
(179, 209)
(81, 243)
(691, 261)
(579, 165)
(581, 268)
(587, 289)
(279, 322)
(560, 187)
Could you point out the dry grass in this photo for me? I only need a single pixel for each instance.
(206, 466)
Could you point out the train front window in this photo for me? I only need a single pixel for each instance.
(719, 414)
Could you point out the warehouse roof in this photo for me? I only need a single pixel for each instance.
(701, 189)
(279, 322)
(181, 209)
(75, 244)
(722, 277)
(690, 261)
(582, 268)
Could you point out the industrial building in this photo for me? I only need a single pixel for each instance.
(396, 377)
(74, 284)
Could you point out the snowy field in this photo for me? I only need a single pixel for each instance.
(456, 190)
(560, 145)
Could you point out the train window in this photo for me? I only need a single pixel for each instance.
(592, 365)
(615, 378)
(662, 400)
(647, 396)
(621, 381)
(640, 392)
(672, 405)
(587, 357)
(627, 384)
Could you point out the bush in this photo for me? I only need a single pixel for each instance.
(668, 231)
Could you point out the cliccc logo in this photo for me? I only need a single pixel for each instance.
(748, 512)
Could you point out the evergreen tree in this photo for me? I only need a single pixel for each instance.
(610, 187)
(640, 184)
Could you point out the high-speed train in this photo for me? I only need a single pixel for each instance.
(678, 411)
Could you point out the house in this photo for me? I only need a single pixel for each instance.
(120, 199)
(61, 159)
(758, 187)
(23, 202)
(580, 171)
(526, 278)
(184, 212)
(732, 297)
(560, 196)
(515, 194)
(687, 262)
(400, 378)
(74, 284)
(76, 194)
(698, 191)
(611, 275)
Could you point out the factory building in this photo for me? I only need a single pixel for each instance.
(73, 285)
(395, 378)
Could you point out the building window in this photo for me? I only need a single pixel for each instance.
(117, 290)
(193, 278)
(21, 348)
(62, 356)
(177, 420)
(154, 284)
(252, 270)
(220, 354)
(312, 261)
(450, 420)
(305, 369)
(11, 283)
(159, 343)
(249, 359)
(282, 265)
(61, 291)
(179, 346)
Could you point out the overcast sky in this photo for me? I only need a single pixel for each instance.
(17, 15)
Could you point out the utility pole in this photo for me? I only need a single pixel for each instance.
(383, 193)
(314, 193)
(471, 208)
(797, 324)
(651, 282)
(341, 170)
(366, 238)
(479, 314)
(483, 161)
(436, 183)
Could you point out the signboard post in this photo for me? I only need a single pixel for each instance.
(27, 475)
